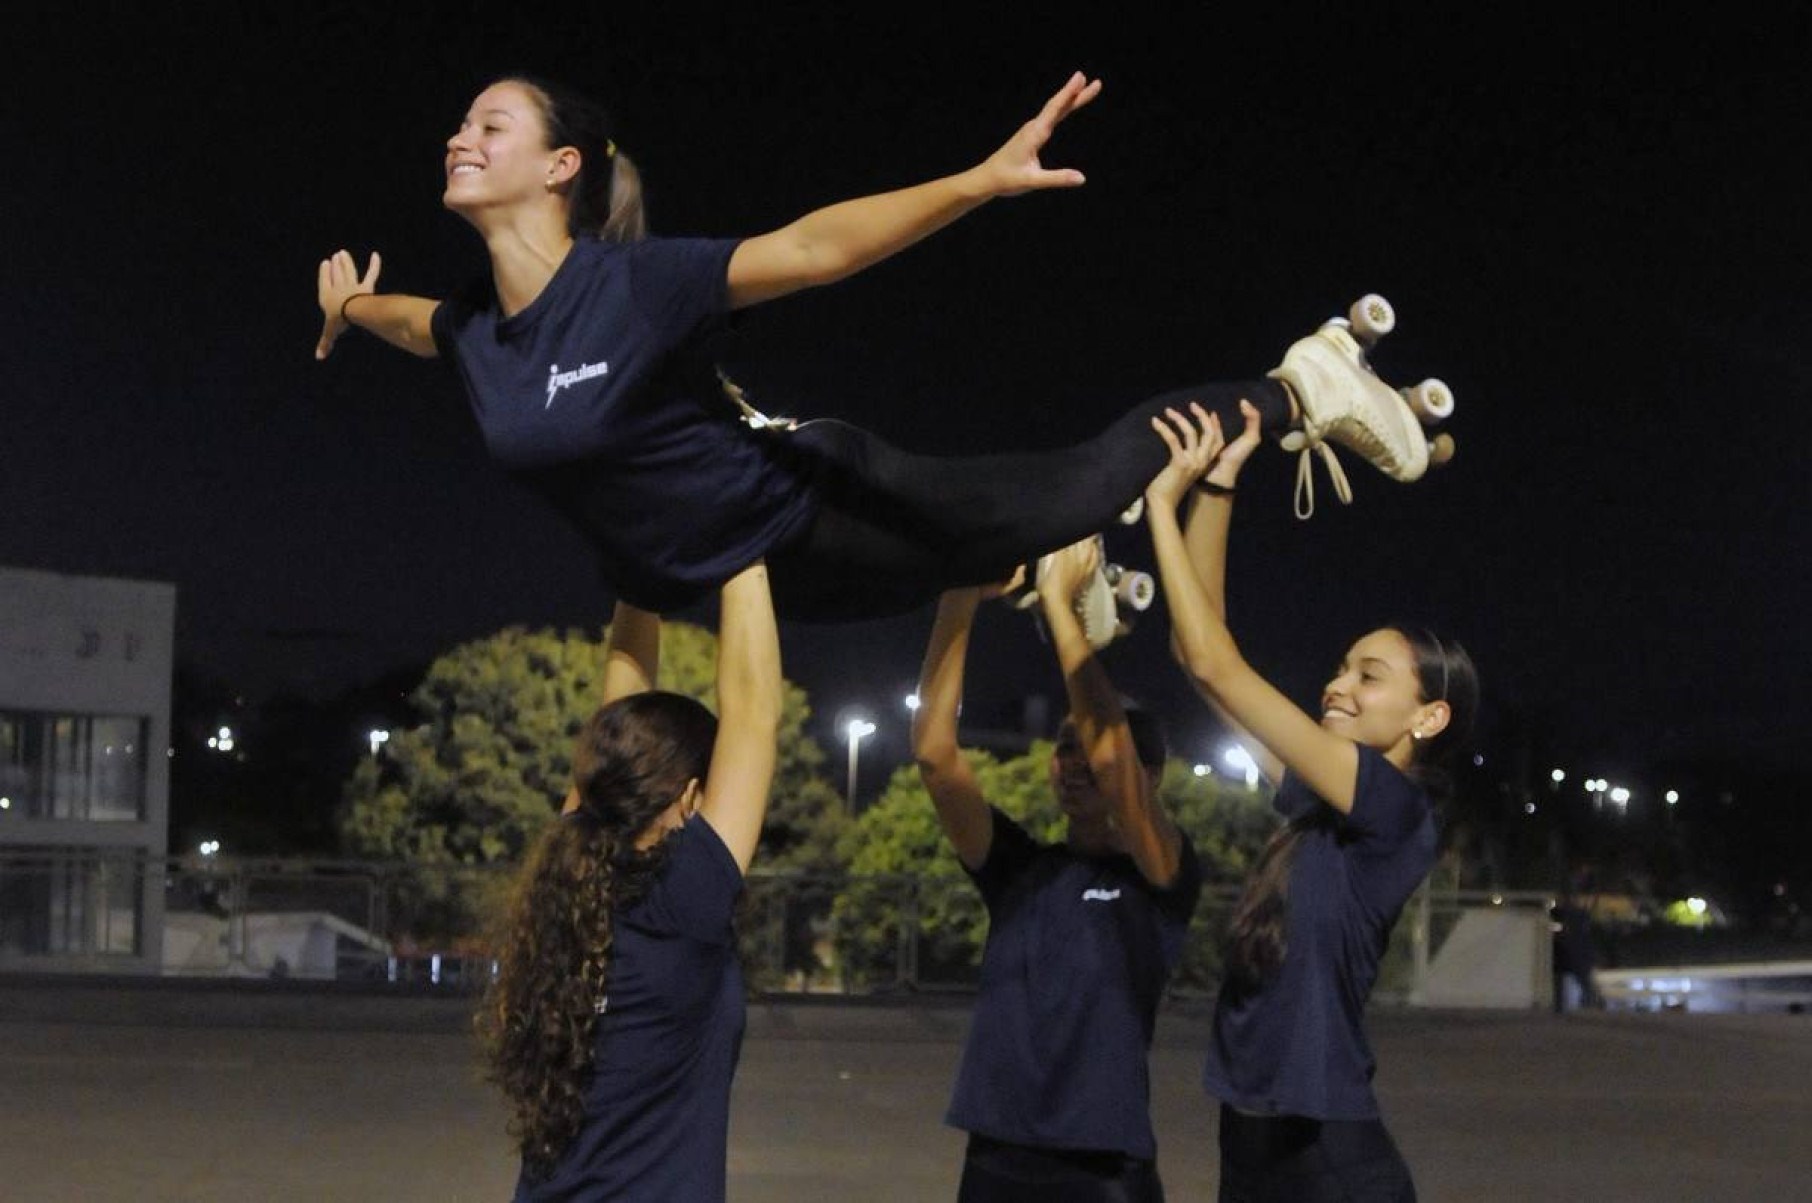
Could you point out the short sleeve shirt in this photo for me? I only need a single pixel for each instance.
(1297, 1045)
(600, 397)
(657, 1112)
(1079, 949)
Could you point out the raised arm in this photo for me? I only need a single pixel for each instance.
(632, 661)
(349, 299)
(632, 653)
(748, 714)
(1327, 763)
(1150, 837)
(1210, 510)
(840, 240)
(961, 810)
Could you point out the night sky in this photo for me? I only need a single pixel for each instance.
(1599, 234)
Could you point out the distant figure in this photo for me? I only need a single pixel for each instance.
(615, 1021)
(1054, 1088)
(1289, 1060)
(1575, 959)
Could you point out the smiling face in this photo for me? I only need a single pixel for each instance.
(1072, 781)
(500, 157)
(1376, 698)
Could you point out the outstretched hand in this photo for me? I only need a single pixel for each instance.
(337, 281)
(1015, 167)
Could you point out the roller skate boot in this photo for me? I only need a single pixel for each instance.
(1344, 401)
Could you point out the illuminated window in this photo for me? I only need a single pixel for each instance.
(72, 766)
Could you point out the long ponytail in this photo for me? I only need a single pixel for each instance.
(605, 198)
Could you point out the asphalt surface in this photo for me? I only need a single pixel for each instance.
(287, 1096)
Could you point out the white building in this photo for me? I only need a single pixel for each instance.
(85, 676)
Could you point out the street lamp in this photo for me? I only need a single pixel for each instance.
(855, 731)
(912, 702)
(1240, 761)
(377, 738)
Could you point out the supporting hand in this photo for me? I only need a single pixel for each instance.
(1066, 570)
(1193, 446)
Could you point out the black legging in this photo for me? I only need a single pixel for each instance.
(896, 529)
(998, 1172)
(1294, 1159)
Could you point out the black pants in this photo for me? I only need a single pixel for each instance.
(1293, 1159)
(995, 1171)
(896, 529)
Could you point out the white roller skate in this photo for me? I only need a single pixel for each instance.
(1343, 401)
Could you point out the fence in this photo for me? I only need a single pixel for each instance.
(424, 926)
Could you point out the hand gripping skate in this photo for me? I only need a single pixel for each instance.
(1343, 401)
(1106, 603)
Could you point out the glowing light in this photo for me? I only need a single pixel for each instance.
(912, 702)
(859, 728)
(1696, 905)
(1620, 796)
(1204, 770)
(6, 803)
(1528, 808)
(1557, 776)
(1673, 797)
(1240, 761)
(377, 737)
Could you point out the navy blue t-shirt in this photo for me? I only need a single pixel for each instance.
(598, 396)
(1297, 1045)
(1079, 949)
(657, 1113)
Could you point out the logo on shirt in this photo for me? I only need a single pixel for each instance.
(1096, 894)
(557, 380)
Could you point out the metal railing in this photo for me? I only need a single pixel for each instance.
(424, 926)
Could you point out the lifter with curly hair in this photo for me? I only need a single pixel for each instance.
(616, 1017)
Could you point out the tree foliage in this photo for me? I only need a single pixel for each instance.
(908, 910)
(490, 757)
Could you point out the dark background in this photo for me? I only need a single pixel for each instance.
(1595, 230)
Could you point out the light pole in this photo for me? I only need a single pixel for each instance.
(856, 730)
(377, 737)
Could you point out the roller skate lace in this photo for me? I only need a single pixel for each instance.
(1310, 442)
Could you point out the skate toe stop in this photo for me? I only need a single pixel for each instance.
(1440, 449)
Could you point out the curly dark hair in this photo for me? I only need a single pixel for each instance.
(538, 1022)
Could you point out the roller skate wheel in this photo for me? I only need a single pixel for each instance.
(1431, 400)
(1371, 318)
(1440, 449)
(1136, 589)
(1131, 514)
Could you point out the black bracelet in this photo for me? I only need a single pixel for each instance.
(349, 300)
(1213, 490)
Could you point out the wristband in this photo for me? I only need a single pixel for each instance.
(1214, 490)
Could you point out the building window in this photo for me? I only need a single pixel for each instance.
(72, 766)
(63, 903)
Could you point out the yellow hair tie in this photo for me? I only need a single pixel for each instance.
(610, 149)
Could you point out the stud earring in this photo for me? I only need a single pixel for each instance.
(1415, 735)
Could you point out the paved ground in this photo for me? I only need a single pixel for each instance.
(179, 1098)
